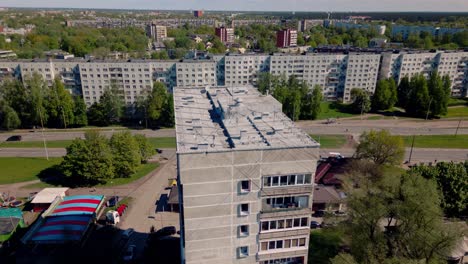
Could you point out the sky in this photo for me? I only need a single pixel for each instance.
(254, 5)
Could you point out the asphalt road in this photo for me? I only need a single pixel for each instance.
(419, 154)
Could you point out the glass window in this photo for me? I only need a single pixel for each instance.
(307, 178)
(297, 222)
(302, 242)
(280, 224)
(279, 244)
(265, 226)
(264, 246)
(272, 224)
(300, 179)
(245, 186)
(289, 223)
(304, 221)
(275, 181)
(267, 181)
(287, 243)
(292, 180)
(272, 245)
(284, 180)
(294, 242)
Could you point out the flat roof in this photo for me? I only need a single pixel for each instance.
(226, 118)
(48, 195)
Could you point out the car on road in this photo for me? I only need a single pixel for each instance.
(314, 225)
(15, 138)
(113, 201)
(129, 253)
(166, 231)
(127, 233)
(159, 151)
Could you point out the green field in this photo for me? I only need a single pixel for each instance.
(330, 141)
(438, 141)
(333, 110)
(23, 169)
(459, 111)
(161, 142)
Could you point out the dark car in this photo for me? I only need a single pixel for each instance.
(15, 138)
(319, 213)
(166, 231)
(159, 151)
(314, 225)
(113, 201)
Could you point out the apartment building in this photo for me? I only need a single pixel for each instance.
(197, 73)
(156, 32)
(455, 65)
(286, 38)
(244, 69)
(245, 176)
(361, 72)
(406, 30)
(226, 35)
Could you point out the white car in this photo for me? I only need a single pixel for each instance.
(130, 253)
(127, 233)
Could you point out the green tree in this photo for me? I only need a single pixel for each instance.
(155, 103)
(361, 101)
(439, 92)
(418, 99)
(167, 118)
(79, 111)
(385, 95)
(315, 102)
(96, 115)
(89, 161)
(126, 154)
(112, 104)
(403, 92)
(9, 118)
(451, 179)
(380, 147)
(60, 106)
(145, 147)
(264, 82)
(36, 94)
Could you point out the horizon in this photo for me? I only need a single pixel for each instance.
(252, 5)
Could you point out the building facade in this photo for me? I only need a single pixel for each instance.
(226, 35)
(245, 178)
(286, 38)
(156, 32)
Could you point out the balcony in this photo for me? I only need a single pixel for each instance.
(284, 205)
(285, 190)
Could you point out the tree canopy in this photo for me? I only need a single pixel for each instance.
(380, 147)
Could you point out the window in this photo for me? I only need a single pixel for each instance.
(243, 252)
(245, 186)
(244, 209)
(243, 230)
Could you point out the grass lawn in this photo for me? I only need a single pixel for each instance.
(142, 171)
(35, 144)
(23, 169)
(333, 110)
(457, 101)
(163, 142)
(459, 111)
(330, 141)
(438, 141)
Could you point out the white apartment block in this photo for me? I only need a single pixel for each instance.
(361, 72)
(455, 65)
(244, 69)
(196, 73)
(245, 178)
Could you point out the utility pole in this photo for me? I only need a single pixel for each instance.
(42, 130)
(456, 131)
(411, 151)
(429, 107)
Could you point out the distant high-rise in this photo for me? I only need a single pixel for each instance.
(286, 38)
(225, 34)
(198, 13)
(156, 32)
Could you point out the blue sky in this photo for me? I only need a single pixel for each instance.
(254, 5)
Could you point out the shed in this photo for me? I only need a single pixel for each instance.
(44, 198)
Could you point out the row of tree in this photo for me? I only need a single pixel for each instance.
(418, 96)
(299, 101)
(36, 104)
(395, 216)
(96, 159)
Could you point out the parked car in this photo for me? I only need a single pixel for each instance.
(130, 253)
(340, 213)
(314, 225)
(113, 201)
(15, 138)
(159, 151)
(127, 233)
(318, 213)
(166, 231)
